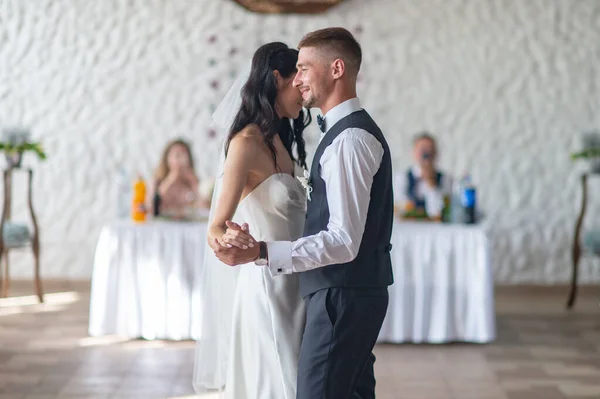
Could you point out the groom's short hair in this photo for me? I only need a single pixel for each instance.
(336, 41)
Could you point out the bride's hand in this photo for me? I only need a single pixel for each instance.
(238, 236)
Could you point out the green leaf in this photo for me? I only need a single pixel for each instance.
(34, 147)
(586, 154)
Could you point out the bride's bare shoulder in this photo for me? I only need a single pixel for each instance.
(247, 140)
(248, 136)
(251, 131)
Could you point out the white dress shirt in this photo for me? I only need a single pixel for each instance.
(347, 167)
(433, 196)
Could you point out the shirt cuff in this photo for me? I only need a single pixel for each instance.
(280, 257)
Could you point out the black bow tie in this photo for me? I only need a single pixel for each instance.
(321, 122)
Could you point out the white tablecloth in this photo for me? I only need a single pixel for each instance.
(146, 283)
(443, 289)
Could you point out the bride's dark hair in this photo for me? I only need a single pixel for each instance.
(258, 102)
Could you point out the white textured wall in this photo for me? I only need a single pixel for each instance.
(507, 85)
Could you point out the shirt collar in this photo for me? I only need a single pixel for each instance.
(416, 171)
(340, 111)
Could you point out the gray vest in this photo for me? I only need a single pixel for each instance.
(372, 267)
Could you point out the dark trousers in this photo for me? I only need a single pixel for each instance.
(336, 357)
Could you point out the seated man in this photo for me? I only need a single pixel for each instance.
(423, 188)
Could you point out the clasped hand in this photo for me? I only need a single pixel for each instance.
(236, 246)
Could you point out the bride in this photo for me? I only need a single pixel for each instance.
(252, 323)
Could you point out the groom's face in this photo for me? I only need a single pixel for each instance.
(312, 78)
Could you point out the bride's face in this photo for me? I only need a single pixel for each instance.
(288, 102)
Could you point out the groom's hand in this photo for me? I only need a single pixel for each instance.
(235, 256)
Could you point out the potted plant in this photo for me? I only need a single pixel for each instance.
(587, 154)
(592, 155)
(13, 151)
(591, 151)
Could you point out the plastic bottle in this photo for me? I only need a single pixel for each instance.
(468, 200)
(138, 204)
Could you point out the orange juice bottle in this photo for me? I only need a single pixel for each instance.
(138, 204)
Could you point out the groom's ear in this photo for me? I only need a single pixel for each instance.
(338, 68)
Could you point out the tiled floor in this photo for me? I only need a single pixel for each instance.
(542, 352)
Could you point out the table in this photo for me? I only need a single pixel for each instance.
(19, 235)
(146, 280)
(443, 285)
(578, 250)
(146, 283)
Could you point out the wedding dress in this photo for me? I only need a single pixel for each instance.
(258, 353)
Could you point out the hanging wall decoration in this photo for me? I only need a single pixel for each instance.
(288, 6)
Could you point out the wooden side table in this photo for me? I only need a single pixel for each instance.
(577, 251)
(33, 242)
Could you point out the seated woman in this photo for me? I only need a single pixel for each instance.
(176, 186)
(423, 189)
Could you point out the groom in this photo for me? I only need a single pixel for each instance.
(344, 257)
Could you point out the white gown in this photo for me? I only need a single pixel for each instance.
(268, 312)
